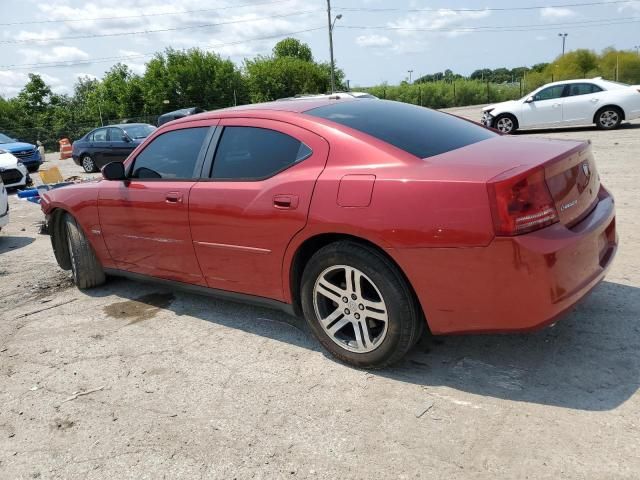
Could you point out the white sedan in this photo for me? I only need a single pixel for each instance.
(12, 172)
(570, 103)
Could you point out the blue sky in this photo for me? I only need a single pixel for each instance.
(375, 40)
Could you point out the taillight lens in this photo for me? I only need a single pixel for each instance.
(521, 204)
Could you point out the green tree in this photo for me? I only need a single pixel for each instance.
(292, 47)
(35, 95)
(288, 72)
(191, 78)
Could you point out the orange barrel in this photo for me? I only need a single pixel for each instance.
(65, 148)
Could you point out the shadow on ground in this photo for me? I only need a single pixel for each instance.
(589, 361)
(592, 128)
(9, 242)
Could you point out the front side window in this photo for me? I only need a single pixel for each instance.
(549, 93)
(100, 135)
(583, 89)
(250, 153)
(172, 155)
(116, 135)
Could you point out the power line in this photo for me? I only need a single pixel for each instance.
(163, 30)
(506, 28)
(493, 9)
(88, 61)
(144, 15)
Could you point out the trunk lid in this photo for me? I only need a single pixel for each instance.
(574, 183)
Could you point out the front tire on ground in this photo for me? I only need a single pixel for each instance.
(88, 164)
(608, 118)
(359, 306)
(505, 123)
(85, 266)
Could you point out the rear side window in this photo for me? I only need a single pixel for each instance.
(251, 153)
(419, 131)
(172, 155)
(583, 89)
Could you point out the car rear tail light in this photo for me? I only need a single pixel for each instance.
(521, 204)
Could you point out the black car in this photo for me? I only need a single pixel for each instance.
(184, 112)
(109, 144)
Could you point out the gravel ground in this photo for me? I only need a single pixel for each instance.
(134, 381)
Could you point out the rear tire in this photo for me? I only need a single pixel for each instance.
(505, 123)
(88, 164)
(608, 118)
(368, 316)
(85, 266)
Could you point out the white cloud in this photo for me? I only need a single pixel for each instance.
(444, 19)
(80, 75)
(12, 81)
(556, 13)
(54, 54)
(373, 40)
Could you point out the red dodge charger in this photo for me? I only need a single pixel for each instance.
(373, 219)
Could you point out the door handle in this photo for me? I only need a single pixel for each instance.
(285, 202)
(173, 197)
(594, 100)
(556, 105)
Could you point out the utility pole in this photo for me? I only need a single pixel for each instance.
(637, 47)
(331, 26)
(564, 39)
(410, 73)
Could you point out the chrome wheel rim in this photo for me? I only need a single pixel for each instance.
(350, 309)
(87, 164)
(609, 118)
(505, 125)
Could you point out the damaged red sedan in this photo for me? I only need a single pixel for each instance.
(372, 219)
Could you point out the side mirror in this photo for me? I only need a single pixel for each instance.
(114, 171)
(125, 138)
(529, 100)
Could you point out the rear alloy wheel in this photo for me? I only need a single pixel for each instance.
(88, 164)
(609, 118)
(359, 306)
(505, 124)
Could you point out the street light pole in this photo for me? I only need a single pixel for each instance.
(331, 26)
(410, 73)
(564, 38)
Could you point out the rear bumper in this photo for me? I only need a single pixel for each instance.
(515, 283)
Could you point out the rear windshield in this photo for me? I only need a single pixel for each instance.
(416, 130)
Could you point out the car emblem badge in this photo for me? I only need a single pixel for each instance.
(585, 169)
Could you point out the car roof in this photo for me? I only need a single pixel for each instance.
(579, 80)
(294, 105)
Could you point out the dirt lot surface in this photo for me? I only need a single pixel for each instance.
(134, 381)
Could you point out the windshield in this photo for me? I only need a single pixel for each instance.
(139, 131)
(5, 139)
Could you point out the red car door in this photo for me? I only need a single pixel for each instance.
(145, 219)
(256, 200)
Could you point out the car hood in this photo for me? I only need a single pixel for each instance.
(501, 106)
(16, 146)
(8, 161)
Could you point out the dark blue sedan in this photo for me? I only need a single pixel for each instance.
(27, 153)
(109, 144)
